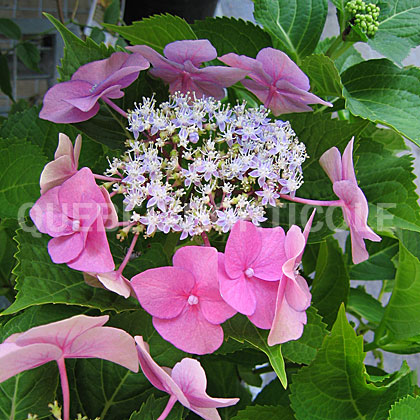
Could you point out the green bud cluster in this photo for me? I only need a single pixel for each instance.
(365, 16)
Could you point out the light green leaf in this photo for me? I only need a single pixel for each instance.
(324, 76)
(399, 28)
(334, 386)
(241, 329)
(152, 408)
(402, 314)
(349, 58)
(232, 35)
(365, 305)
(295, 26)
(40, 281)
(383, 93)
(407, 408)
(304, 350)
(22, 164)
(331, 285)
(29, 392)
(265, 413)
(156, 31)
(10, 29)
(76, 51)
(29, 54)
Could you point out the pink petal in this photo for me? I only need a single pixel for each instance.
(197, 51)
(157, 376)
(297, 293)
(56, 172)
(280, 67)
(191, 378)
(109, 213)
(15, 359)
(331, 164)
(58, 110)
(294, 244)
(269, 262)
(96, 255)
(87, 102)
(199, 87)
(77, 148)
(308, 226)
(65, 147)
(242, 248)
(115, 282)
(155, 58)
(265, 294)
(107, 343)
(171, 76)
(61, 333)
(214, 308)
(220, 75)
(190, 332)
(66, 248)
(239, 292)
(348, 169)
(163, 291)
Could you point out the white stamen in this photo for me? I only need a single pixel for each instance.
(192, 300)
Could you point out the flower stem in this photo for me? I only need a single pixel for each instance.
(64, 388)
(129, 252)
(205, 239)
(114, 106)
(168, 408)
(336, 203)
(106, 178)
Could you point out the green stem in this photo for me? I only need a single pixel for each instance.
(370, 346)
(338, 47)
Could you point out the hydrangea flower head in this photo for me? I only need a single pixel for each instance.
(185, 383)
(184, 300)
(355, 207)
(77, 99)
(76, 214)
(180, 68)
(275, 80)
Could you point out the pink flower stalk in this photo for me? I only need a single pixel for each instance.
(293, 296)
(275, 80)
(185, 383)
(180, 68)
(78, 337)
(250, 270)
(184, 300)
(353, 201)
(77, 99)
(76, 214)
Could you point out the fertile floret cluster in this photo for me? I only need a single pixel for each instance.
(365, 16)
(196, 164)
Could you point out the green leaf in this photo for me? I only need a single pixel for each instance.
(232, 35)
(97, 35)
(29, 54)
(407, 408)
(156, 31)
(40, 281)
(241, 329)
(112, 12)
(324, 76)
(152, 408)
(331, 285)
(304, 350)
(349, 58)
(365, 305)
(390, 139)
(380, 91)
(399, 29)
(265, 413)
(389, 188)
(10, 29)
(334, 386)
(379, 265)
(273, 394)
(76, 51)
(5, 84)
(402, 314)
(295, 26)
(29, 392)
(22, 164)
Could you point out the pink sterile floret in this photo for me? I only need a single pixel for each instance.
(185, 383)
(64, 165)
(275, 80)
(78, 337)
(113, 281)
(181, 68)
(76, 214)
(184, 300)
(77, 99)
(293, 296)
(250, 269)
(355, 206)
